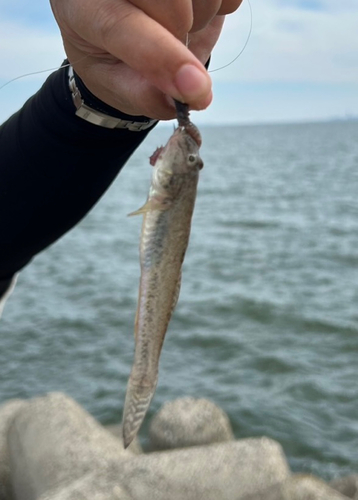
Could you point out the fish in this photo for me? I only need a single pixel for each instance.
(167, 216)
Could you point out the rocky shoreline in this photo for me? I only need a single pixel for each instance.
(52, 449)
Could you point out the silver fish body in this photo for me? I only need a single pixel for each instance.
(164, 240)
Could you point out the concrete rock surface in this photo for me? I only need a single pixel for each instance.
(7, 413)
(189, 422)
(116, 431)
(52, 449)
(52, 442)
(226, 471)
(305, 487)
(91, 487)
(300, 487)
(347, 485)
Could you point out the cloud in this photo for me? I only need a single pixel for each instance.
(327, 5)
(292, 40)
(279, 102)
(303, 4)
(292, 43)
(301, 60)
(36, 13)
(27, 49)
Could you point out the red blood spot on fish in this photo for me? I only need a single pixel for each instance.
(153, 159)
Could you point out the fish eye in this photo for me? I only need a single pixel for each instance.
(192, 158)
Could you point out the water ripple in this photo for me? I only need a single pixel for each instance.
(267, 322)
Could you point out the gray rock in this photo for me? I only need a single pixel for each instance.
(116, 430)
(91, 487)
(189, 422)
(7, 413)
(305, 487)
(347, 485)
(57, 451)
(300, 487)
(226, 471)
(53, 442)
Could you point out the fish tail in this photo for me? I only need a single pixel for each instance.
(138, 398)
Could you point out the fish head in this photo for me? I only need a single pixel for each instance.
(175, 165)
(181, 153)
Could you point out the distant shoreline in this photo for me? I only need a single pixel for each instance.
(318, 121)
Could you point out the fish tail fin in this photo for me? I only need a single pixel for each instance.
(138, 398)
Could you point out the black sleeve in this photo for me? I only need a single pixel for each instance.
(54, 167)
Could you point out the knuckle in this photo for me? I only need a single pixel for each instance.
(177, 21)
(183, 23)
(229, 6)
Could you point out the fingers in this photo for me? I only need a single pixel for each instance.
(123, 88)
(130, 35)
(202, 42)
(229, 6)
(130, 53)
(174, 15)
(204, 11)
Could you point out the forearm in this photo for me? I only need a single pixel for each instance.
(54, 167)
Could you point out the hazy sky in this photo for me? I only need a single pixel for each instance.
(301, 62)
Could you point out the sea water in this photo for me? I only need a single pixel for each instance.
(267, 321)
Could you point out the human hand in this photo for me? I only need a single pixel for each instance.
(131, 54)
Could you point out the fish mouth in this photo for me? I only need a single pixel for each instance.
(193, 132)
(190, 130)
(185, 123)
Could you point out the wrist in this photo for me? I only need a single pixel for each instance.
(91, 109)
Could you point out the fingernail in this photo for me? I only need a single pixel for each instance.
(192, 83)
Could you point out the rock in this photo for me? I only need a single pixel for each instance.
(225, 471)
(52, 442)
(57, 451)
(92, 487)
(7, 413)
(305, 487)
(116, 430)
(189, 422)
(347, 485)
(300, 487)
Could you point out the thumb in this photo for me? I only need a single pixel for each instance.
(130, 35)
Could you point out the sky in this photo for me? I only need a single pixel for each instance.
(300, 64)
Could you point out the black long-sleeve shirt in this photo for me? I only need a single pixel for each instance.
(54, 166)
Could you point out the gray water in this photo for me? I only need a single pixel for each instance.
(267, 321)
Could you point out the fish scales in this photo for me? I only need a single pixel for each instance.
(164, 240)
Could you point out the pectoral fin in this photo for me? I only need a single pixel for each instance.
(142, 210)
(152, 204)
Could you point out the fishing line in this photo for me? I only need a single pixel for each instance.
(187, 44)
(39, 72)
(245, 44)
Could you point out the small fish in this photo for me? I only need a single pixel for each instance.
(164, 240)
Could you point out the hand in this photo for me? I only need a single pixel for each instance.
(131, 54)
